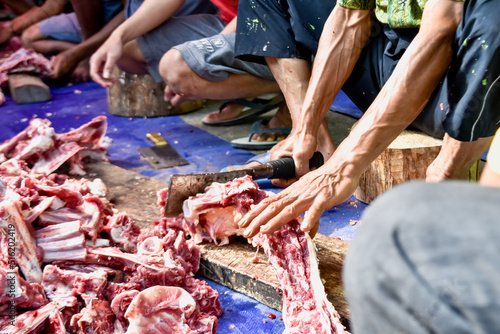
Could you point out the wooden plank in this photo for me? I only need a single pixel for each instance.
(229, 265)
(232, 266)
(26, 88)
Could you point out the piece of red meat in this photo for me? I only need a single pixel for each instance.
(214, 215)
(162, 309)
(305, 307)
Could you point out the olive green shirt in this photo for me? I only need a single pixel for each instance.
(395, 13)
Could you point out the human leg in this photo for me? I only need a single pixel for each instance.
(207, 69)
(53, 35)
(286, 39)
(132, 59)
(425, 260)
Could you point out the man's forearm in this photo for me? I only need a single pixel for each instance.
(342, 40)
(407, 91)
(86, 48)
(36, 14)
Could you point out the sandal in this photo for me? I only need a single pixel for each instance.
(254, 108)
(248, 144)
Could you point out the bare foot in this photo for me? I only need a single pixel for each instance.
(232, 110)
(281, 119)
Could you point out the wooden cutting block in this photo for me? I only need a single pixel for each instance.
(407, 158)
(230, 265)
(136, 95)
(26, 88)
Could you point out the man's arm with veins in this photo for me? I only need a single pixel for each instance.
(402, 98)
(344, 36)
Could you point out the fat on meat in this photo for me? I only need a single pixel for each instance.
(214, 215)
(306, 309)
(27, 255)
(44, 150)
(31, 320)
(89, 252)
(163, 309)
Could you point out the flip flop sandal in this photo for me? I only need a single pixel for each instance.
(254, 108)
(248, 144)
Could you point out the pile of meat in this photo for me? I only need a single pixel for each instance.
(71, 263)
(80, 266)
(213, 216)
(15, 59)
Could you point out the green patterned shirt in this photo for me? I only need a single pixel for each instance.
(395, 13)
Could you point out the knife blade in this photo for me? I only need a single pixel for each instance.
(181, 187)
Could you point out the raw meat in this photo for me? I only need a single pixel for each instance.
(162, 309)
(26, 254)
(30, 321)
(44, 150)
(214, 215)
(95, 260)
(305, 307)
(16, 59)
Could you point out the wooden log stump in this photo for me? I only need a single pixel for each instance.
(136, 95)
(407, 158)
(26, 88)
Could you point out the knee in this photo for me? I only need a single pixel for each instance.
(178, 75)
(30, 35)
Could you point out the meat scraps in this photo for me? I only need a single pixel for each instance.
(44, 150)
(15, 59)
(293, 257)
(214, 215)
(71, 263)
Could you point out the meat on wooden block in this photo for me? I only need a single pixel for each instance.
(26, 88)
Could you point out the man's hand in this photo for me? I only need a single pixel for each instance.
(301, 155)
(62, 64)
(103, 61)
(315, 192)
(173, 97)
(6, 31)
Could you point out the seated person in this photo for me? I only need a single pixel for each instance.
(138, 45)
(425, 259)
(28, 14)
(442, 78)
(73, 36)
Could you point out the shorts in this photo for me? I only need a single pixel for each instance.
(175, 31)
(65, 27)
(280, 29)
(212, 58)
(62, 27)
